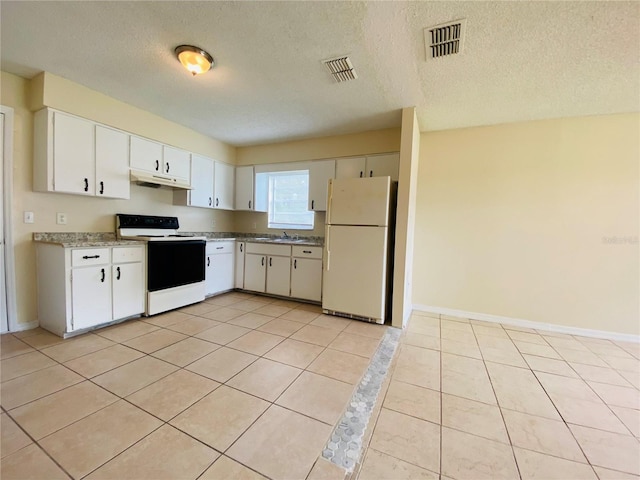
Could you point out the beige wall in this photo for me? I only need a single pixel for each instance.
(535, 221)
(406, 218)
(87, 214)
(378, 141)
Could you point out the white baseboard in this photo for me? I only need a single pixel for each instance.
(518, 322)
(19, 327)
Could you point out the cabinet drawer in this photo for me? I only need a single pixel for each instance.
(127, 254)
(220, 247)
(307, 252)
(269, 249)
(89, 256)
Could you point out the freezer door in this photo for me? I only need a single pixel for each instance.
(355, 271)
(359, 201)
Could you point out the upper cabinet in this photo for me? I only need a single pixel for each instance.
(223, 186)
(112, 163)
(74, 155)
(160, 160)
(244, 188)
(371, 166)
(319, 174)
(201, 194)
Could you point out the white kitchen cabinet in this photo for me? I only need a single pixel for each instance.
(176, 163)
(370, 166)
(160, 160)
(90, 296)
(352, 167)
(244, 188)
(201, 194)
(220, 268)
(278, 275)
(224, 184)
(319, 174)
(112, 163)
(239, 265)
(70, 157)
(383, 166)
(255, 269)
(306, 273)
(128, 289)
(82, 288)
(145, 155)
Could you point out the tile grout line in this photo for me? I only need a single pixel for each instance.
(484, 363)
(344, 446)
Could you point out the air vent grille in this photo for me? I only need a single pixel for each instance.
(444, 40)
(341, 69)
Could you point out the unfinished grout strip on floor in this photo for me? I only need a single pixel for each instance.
(345, 444)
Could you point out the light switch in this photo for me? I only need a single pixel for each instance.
(28, 217)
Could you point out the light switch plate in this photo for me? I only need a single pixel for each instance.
(28, 217)
(61, 218)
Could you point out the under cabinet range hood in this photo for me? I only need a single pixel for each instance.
(148, 179)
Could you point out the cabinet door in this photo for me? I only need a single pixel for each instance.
(145, 154)
(209, 280)
(73, 155)
(353, 167)
(201, 182)
(222, 272)
(244, 189)
(90, 296)
(176, 163)
(239, 265)
(112, 163)
(319, 174)
(306, 278)
(384, 166)
(128, 289)
(224, 180)
(255, 269)
(279, 275)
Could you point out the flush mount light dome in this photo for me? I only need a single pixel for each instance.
(194, 59)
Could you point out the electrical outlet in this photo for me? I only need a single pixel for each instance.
(61, 218)
(28, 217)
(213, 224)
(255, 225)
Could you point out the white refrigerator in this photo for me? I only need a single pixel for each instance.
(357, 267)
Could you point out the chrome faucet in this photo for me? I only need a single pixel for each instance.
(285, 235)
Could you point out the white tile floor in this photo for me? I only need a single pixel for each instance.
(248, 387)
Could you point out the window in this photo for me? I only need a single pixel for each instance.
(288, 200)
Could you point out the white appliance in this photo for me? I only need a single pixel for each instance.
(175, 263)
(358, 239)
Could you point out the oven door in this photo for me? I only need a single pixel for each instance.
(174, 263)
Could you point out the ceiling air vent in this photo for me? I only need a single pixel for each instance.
(341, 68)
(444, 40)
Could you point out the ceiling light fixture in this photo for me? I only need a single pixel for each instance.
(194, 59)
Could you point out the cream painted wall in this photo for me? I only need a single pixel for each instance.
(378, 141)
(536, 221)
(405, 218)
(87, 214)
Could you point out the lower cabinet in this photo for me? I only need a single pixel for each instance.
(306, 273)
(80, 288)
(239, 265)
(220, 268)
(284, 270)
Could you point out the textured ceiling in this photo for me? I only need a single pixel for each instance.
(522, 60)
